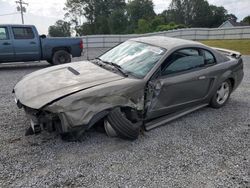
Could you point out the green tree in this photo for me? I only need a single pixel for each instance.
(75, 14)
(246, 20)
(170, 26)
(117, 16)
(158, 20)
(118, 22)
(139, 9)
(143, 26)
(99, 15)
(166, 15)
(60, 29)
(196, 13)
(176, 12)
(218, 16)
(203, 14)
(190, 12)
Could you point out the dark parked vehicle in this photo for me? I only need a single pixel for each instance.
(22, 43)
(140, 84)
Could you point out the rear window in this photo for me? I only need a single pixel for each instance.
(3, 33)
(23, 33)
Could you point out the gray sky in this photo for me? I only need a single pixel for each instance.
(44, 13)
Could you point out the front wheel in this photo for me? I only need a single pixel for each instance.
(222, 95)
(117, 124)
(61, 57)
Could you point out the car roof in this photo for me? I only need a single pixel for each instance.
(171, 43)
(165, 42)
(15, 25)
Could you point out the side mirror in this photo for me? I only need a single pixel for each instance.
(158, 85)
(43, 36)
(155, 87)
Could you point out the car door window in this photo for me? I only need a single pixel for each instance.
(189, 52)
(23, 33)
(3, 33)
(183, 60)
(209, 57)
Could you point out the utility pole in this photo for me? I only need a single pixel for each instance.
(21, 8)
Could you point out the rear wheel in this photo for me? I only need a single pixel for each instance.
(61, 57)
(117, 124)
(222, 94)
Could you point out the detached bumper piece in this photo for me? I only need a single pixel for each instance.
(40, 121)
(36, 127)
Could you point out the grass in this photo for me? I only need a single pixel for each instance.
(242, 46)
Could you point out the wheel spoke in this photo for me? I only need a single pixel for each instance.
(223, 93)
(220, 92)
(224, 85)
(226, 90)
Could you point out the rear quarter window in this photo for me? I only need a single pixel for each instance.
(23, 33)
(3, 33)
(209, 57)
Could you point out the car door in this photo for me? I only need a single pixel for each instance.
(6, 45)
(183, 82)
(26, 45)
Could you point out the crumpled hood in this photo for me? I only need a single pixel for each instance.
(44, 86)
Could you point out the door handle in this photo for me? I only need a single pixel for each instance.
(6, 43)
(202, 77)
(32, 42)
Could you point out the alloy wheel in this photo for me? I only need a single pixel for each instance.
(223, 93)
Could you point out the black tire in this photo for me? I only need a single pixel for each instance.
(215, 103)
(29, 132)
(61, 57)
(50, 62)
(122, 126)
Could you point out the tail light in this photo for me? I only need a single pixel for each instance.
(81, 44)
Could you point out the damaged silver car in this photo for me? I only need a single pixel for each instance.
(140, 84)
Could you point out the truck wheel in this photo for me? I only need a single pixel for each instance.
(50, 62)
(117, 124)
(61, 57)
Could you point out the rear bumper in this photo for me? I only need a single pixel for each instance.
(78, 53)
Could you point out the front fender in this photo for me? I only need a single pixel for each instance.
(80, 108)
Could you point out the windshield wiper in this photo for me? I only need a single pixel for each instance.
(118, 67)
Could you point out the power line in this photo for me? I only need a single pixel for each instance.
(9, 14)
(21, 8)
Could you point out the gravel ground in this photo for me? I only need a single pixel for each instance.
(207, 148)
